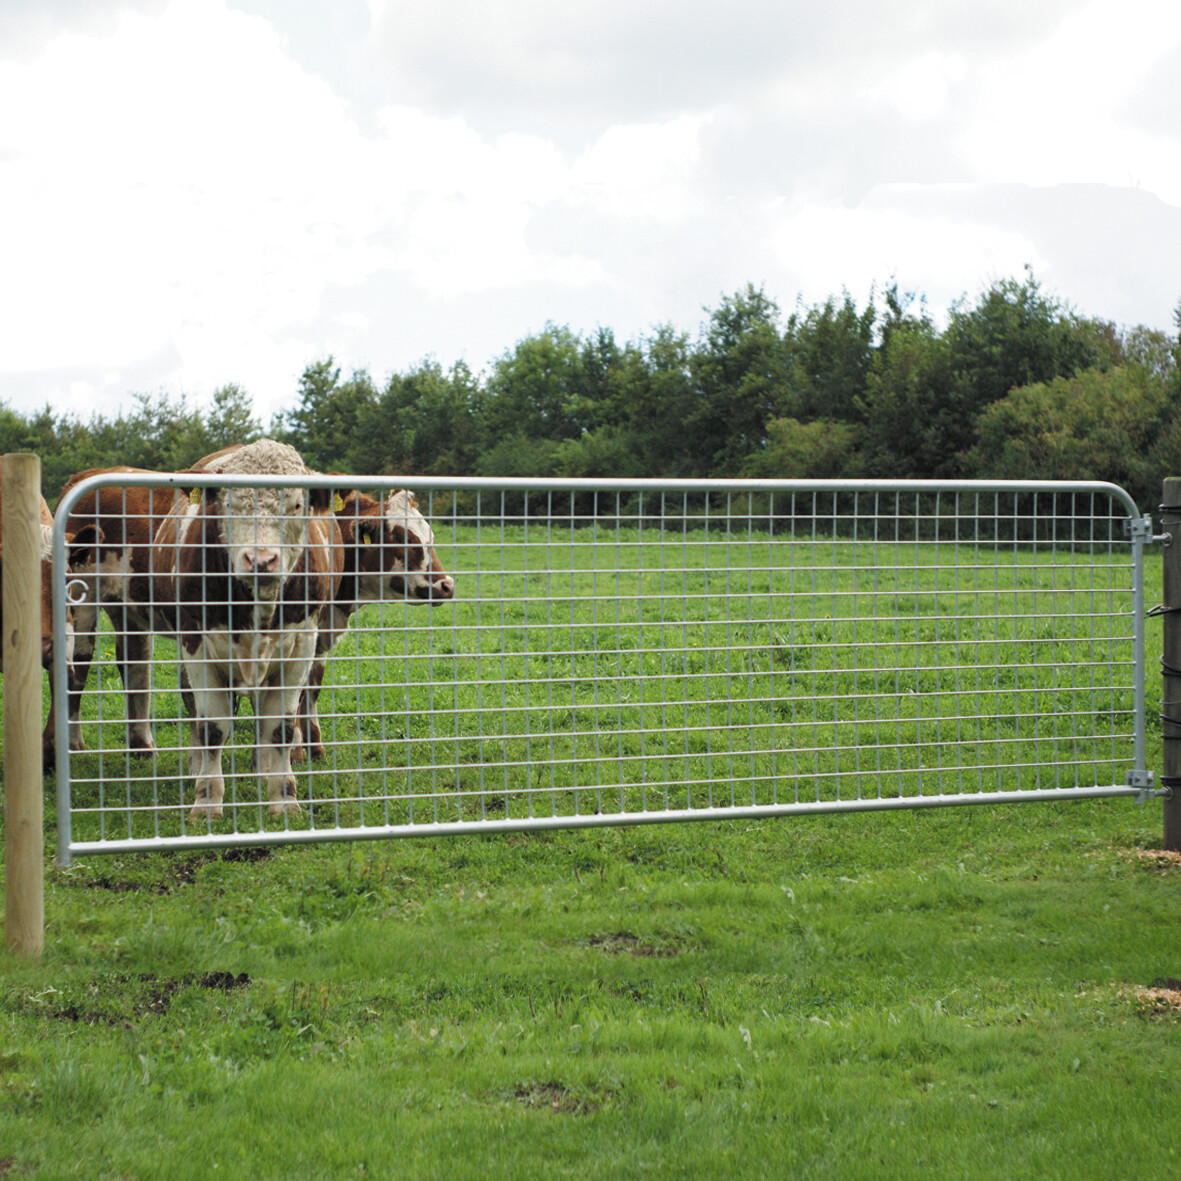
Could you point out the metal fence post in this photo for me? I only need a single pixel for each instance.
(24, 905)
(1171, 662)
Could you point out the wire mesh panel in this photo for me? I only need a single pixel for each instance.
(623, 653)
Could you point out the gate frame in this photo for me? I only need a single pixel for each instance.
(1138, 528)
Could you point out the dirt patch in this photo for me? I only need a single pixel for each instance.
(1162, 859)
(624, 943)
(224, 981)
(129, 999)
(554, 1097)
(1161, 998)
(1155, 1001)
(11, 1167)
(248, 853)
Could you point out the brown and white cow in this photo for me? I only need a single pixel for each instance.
(247, 572)
(389, 556)
(117, 574)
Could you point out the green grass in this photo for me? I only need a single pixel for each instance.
(953, 993)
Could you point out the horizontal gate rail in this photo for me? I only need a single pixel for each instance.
(635, 652)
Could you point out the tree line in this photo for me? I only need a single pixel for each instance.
(1013, 385)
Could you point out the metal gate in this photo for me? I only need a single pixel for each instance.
(623, 652)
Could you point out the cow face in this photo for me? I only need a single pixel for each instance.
(398, 555)
(265, 531)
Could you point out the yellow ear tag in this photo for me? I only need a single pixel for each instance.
(366, 539)
(195, 496)
(337, 502)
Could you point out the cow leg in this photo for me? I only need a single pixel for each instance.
(210, 723)
(308, 734)
(49, 734)
(133, 657)
(85, 638)
(275, 707)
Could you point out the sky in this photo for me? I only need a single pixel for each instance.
(200, 192)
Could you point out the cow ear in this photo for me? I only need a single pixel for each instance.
(343, 497)
(369, 533)
(322, 499)
(80, 546)
(195, 495)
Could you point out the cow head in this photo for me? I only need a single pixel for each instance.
(396, 550)
(264, 530)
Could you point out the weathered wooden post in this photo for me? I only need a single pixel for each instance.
(1171, 662)
(20, 585)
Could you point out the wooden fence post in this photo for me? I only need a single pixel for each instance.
(1171, 662)
(20, 585)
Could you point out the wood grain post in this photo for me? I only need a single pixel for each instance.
(20, 522)
(1171, 662)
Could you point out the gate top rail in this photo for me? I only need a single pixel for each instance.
(593, 484)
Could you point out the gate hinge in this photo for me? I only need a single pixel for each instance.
(1144, 782)
(1140, 529)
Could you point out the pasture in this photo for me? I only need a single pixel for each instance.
(970, 992)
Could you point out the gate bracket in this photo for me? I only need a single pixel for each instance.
(1144, 781)
(1140, 529)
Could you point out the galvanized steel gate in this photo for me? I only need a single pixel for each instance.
(623, 652)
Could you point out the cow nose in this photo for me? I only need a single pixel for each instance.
(47, 652)
(261, 561)
(438, 590)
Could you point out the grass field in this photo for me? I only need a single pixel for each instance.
(974, 992)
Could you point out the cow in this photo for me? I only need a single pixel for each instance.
(78, 544)
(118, 580)
(389, 556)
(247, 573)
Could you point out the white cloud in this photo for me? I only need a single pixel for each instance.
(830, 247)
(1059, 112)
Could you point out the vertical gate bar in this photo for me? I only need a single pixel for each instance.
(61, 704)
(753, 762)
(663, 536)
(815, 645)
(726, 598)
(595, 645)
(549, 646)
(937, 649)
(572, 645)
(978, 695)
(875, 600)
(772, 679)
(1170, 663)
(854, 621)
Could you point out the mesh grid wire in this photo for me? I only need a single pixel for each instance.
(651, 652)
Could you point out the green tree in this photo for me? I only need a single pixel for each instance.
(231, 419)
(910, 429)
(657, 402)
(830, 351)
(324, 425)
(537, 390)
(424, 422)
(740, 375)
(1120, 424)
(817, 450)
